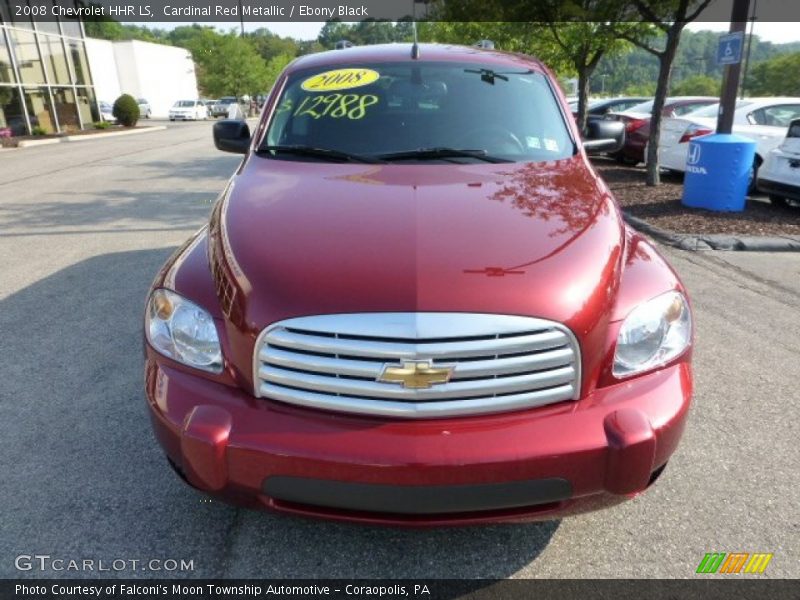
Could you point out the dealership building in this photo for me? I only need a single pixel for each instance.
(45, 83)
(157, 73)
(52, 76)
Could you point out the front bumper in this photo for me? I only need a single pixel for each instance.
(770, 184)
(528, 465)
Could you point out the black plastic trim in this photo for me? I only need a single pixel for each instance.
(417, 499)
(779, 189)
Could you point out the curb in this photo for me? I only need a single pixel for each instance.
(86, 138)
(695, 242)
(32, 143)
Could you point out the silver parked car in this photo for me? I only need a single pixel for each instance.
(106, 111)
(223, 105)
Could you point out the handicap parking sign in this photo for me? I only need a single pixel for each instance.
(729, 50)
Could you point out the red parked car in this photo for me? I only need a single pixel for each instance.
(637, 123)
(417, 303)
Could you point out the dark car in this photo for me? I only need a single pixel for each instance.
(600, 108)
(637, 123)
(415, 302)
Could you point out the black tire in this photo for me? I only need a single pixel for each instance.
(672, 173)
(752, 187)
(778, 200)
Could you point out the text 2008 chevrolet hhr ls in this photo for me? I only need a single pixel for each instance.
(416, 302)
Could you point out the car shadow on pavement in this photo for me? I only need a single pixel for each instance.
(216, 166)
(115, 207)
(85, 479)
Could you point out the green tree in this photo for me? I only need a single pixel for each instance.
(647, 88)
(364, 33)
(126, 110)
(187, 36)
(583, 44)
(332, 32)
(525, 37)
(570, 36)
(670, 17)
(230, 66)
(270, 45)
(275, 66)
(778, 76)
(697, 85)
(105, 29)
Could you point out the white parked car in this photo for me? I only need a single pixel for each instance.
(188, 110)
(145, 112)
(779, 176)
(764, 120)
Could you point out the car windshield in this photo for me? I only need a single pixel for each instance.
(227, 100)
(142, 101)
(420, 111)
(184, 103)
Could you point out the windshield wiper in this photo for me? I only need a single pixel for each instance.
(442, 153)
(489, 75)
(300, 150)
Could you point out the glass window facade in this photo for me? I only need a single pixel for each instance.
(26, 51)
(87, 106)
(12, 118)
(55, 59)
(80, 64)
(40, 110)
(45, 81)
(6, 68)
(66, 107)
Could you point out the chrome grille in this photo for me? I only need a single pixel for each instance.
(499, 363)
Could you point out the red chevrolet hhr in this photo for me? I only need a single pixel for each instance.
(415, 302)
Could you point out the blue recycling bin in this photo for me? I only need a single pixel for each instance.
(718, 172)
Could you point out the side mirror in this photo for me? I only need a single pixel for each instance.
(232, 136)
(603, 136)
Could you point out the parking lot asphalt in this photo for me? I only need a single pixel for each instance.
(83, 230)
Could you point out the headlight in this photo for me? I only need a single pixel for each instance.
(653, 334)
(183, 331)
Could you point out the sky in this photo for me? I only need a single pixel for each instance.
(778, 33)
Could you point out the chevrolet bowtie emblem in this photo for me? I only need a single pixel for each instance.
(416, 374)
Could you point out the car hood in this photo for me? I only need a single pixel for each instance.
(304, 238)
